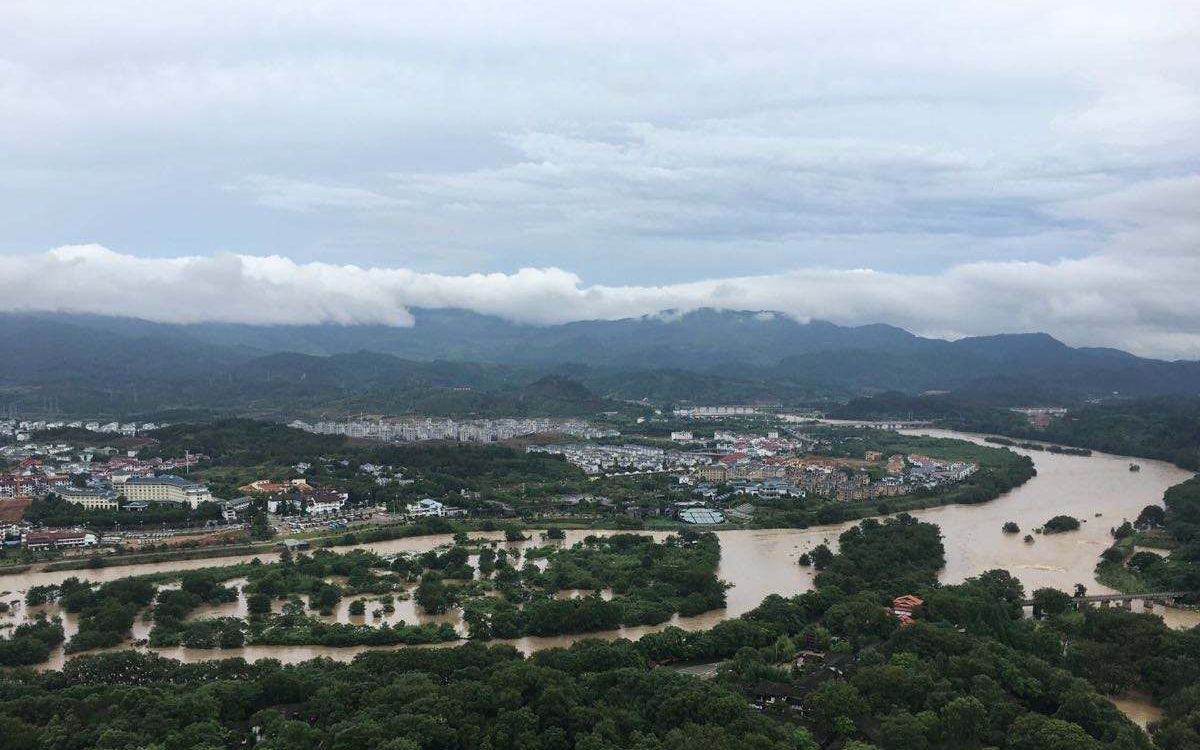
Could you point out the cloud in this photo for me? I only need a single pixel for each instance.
(1026, 165)
(1149, 306)
(624, 140)
(302, 196)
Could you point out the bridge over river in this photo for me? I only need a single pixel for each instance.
(1149, 598)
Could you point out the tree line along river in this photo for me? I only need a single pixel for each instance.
(1098, 489)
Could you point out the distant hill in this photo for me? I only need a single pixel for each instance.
(454, 361)
(1166, 428)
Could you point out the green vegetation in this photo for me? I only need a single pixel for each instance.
(478, 477)
(649, 582)
(499, 484)
(1000, 470)
(242, 442)
(1011, 527)
(954, 411)
(287, 581)
(1030, 446)
(1165, 428)
(54, 511)
(1177, 528)
(969, 674)
(30, 642)
(1060, 524)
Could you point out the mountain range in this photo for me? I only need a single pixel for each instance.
(456, 361)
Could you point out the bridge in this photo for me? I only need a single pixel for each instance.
(1148, 598)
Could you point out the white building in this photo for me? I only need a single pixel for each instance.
(52, 538)
(166, 489)
(323, 504)
(426, 508)
(89, 498)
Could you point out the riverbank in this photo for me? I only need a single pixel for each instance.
(822, 651)
(999, 471)
(761, 562)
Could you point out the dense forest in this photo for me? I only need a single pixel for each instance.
(453, 362)
(1165, 428)
(646, 581)
(970, 673)
(1129, 566)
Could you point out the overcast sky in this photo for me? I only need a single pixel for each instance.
(955, 168)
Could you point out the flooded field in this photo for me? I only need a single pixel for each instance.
(1099, 490)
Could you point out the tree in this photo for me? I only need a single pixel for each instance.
(803, 740)
(832, 700)
(965, 719)
(1060, 524)
(1048, 601)
(1036, 732)
(1151, 516)
(258, 604)
(902, 730)
(820, 556)
(1011, 527)
(487, 561)
(432, 594)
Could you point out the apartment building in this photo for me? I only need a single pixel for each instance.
(166, 489)
(90, 498)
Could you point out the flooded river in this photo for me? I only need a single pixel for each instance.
(1099, 490)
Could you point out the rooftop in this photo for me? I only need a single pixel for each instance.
(170, 479)
(701, 516)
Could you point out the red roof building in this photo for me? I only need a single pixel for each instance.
(904, 606)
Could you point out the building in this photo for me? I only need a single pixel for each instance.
(323, 503)
(231, 508)
(712, 473)
(90, 498)
(904, 606)
(701, 515)
(268, 487)
(311, 503)
(166, 489)
(681, 436)
(59, 538)
(717, 411)
(426, 508)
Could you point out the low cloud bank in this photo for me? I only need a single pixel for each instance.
(1147, 305)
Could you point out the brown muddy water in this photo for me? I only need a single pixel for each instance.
(1099, 490)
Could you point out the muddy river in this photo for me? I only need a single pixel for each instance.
(1098, 489)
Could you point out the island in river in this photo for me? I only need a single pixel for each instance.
(757, 563)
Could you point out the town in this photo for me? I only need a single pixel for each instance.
(470, 431)
(155, 501)
(59, 495)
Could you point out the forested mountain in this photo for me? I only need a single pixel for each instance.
(1166, 428)
(454, 361)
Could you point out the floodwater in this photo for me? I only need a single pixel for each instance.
(1099, 490)
(1139, 708)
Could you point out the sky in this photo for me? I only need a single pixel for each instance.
(953, 168)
